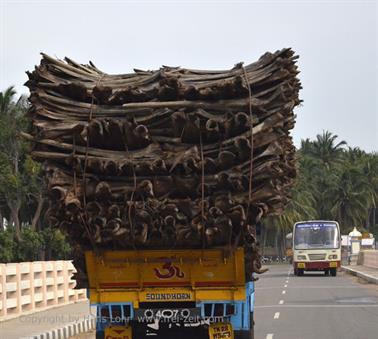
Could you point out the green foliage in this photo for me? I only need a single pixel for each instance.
(55, 244)
(6, 246)
(34, 245)
(30, 246)
(22, 190)
(22, 187)
(334, 182)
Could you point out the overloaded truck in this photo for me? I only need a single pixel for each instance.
(159, 178)
(187, 293)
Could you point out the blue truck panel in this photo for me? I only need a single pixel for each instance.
(237, 313)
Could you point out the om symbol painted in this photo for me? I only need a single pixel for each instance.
(168, 271)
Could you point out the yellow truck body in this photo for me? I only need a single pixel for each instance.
(165, 275)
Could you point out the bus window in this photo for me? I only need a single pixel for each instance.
(322, 235)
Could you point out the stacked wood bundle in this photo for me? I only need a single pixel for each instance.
(173, 158)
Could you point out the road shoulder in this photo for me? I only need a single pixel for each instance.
(366, 273)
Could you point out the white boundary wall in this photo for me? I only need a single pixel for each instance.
(369, 258)
(35, 286)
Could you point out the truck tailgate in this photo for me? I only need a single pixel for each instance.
(148, 274)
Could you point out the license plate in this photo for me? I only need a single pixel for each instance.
(333, 264)
(168, 314)
(118, 332)
(301, 265)
(221, 331)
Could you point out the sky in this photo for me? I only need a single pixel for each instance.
(336, 41)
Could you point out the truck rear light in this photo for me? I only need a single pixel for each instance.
(116, 313)
(105, 312)
(332, 256)
(126, 311)
(230, 309)
(218, 310)
(208, 310)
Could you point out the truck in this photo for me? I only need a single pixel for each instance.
(202, 294)
(159, 180)
(316, 247)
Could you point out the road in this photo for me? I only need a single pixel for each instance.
(311, 307)
(39, 322)
(314, 306)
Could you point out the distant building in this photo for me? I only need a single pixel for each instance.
(366, 243)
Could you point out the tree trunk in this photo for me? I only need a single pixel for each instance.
(37, 213)
(2, 228)
(276, 242)
(16, 156)
(264, 236)
(10, 221)
(15, 209)
(283, 245)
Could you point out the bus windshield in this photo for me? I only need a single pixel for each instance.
(316, 235)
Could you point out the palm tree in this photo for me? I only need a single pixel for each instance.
(370, 170)
(355, 155)
(306, 147)
(350, 196)
(326, 149)
(7, 101)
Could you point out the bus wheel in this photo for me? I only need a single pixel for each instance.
(326, 272)
(300, 272)
(295, 271)
(333, 272)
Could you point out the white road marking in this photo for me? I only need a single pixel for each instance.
(310, 287)
(285, 285)
(283, 292)
(321, 306)
(269, 336)
(276, 315)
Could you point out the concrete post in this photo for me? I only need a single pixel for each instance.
(3, 291)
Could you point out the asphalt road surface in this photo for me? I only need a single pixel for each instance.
(314, 306)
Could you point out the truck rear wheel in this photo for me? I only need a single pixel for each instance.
(333, 272)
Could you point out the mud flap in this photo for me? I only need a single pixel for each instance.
(118, 332)
(221, 331)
